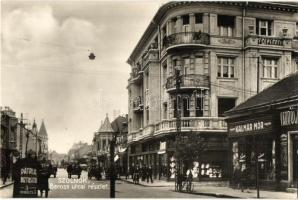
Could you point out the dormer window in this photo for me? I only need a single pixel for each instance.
(264, 27)
(226, 25)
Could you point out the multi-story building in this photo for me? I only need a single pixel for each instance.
(8, 142)
(225, 52)
(101, 142)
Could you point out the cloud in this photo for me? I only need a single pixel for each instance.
(32, 36)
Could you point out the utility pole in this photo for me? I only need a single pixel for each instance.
(112, 166)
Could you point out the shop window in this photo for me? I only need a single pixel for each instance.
(225, 104)
(226, 25)
(269, 68)
(264, 27)
(225, 67)
(198, 18)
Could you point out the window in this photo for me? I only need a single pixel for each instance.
(185, 19)
(165, 110)
(269, 68)
(296, 29)
(147, 115)
(226, 67)
(198, 18)
(185, 107)
(225, 104)
(199, 67)
(226, 25)
(199, 106)
(264, 27)
(174, 21)
(186, 65)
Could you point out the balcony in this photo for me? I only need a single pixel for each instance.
(268, 41)
(295, 44)
(202, 124)
(141, 134)
(186, 39)
(136, 75)
(190, 81)
(137, 104)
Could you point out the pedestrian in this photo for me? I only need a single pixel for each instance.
(136, 175)
(43, 178)
(189, 178)
(243, 177)
(149, 174)
(69, 169)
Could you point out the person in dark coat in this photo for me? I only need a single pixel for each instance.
(149, 174)
(69, 169)
(43, 178)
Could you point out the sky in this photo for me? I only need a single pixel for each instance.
(45, 70)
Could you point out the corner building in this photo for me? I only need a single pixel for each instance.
(226, 52)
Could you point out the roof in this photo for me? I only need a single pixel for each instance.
(284, 89)
(153, 25)
(42, 130)
(106, 126)
(120, 124)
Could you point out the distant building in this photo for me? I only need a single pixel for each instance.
(43, 139)
(8, 144)
(101, 141)
(79, 150)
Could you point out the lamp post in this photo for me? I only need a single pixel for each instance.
(178, 123)
(296, 138)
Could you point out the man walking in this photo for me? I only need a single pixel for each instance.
(149, 174)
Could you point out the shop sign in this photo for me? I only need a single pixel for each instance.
(26, 185)
(162, 148)
(288, 118)
(250, 126)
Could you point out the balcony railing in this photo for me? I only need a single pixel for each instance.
(141, 134)
(256, 40)
(205, 124)
(188, 81)
(186, 38)
(137, 103)
(192, 124)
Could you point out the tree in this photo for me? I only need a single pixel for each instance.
(189, 148)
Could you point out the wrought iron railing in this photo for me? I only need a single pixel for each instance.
(189, 81)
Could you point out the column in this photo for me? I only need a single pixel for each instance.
(206, 23)
(192, 22)
(179, 24)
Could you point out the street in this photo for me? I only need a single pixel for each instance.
(62, 187)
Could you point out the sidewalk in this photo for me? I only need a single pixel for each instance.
(220, 191)
(8, 183)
